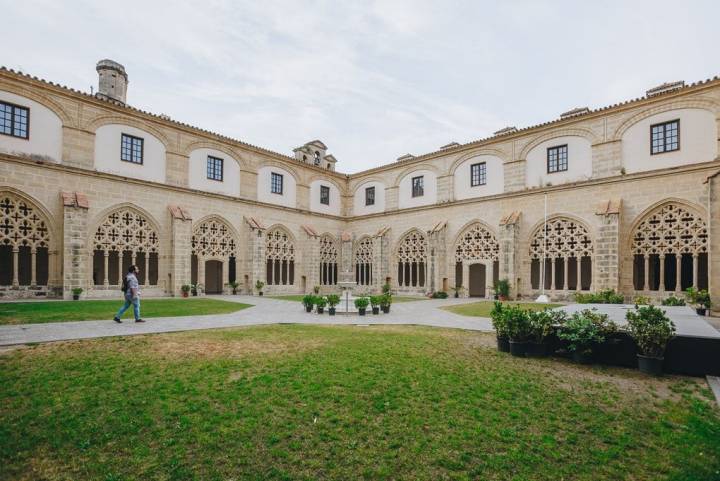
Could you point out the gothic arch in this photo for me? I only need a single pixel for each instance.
(696, 103)
(280, 256)
(477, 241)
(213, 237)
(328, 259)
(363, 256)
(411, 255)
(587, 134)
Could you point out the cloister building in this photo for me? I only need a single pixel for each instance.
(622, 197)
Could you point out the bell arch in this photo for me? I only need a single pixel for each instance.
(279, 257)
(566, 247)
(669, 244)
(411, 256)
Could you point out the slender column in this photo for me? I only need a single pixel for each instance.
(272, 273)
(488, 279)
(15, 281)
(287, 267)
(466, 277)
(678, 266)
(120, 270)
(147, 269)
(552, 274)
(33, 266)
(226, 273)
(662, 273)
(578, 270)
(646, 267)
(565, 273)
(695, 269)
(106, 271)
(133, 258)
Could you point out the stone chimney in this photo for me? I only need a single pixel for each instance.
(113, 80)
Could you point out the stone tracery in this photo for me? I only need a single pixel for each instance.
(363, 260)
(280, 257)
(328, 261)
(567, 248)
(412, 259)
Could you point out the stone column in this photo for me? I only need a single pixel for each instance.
(489, 286)
(76, 264)
(606, 253)
(508, 239)
(466, 279)
(381, 259)
(712, 202)
(256, 252)
(310, 246)
(437, 257)
(345, 260)
(180, 250)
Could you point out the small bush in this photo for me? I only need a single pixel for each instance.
(543, 323)
(308, 300)
(642, 301)
(386, 300)
(498, 318)
(333, 300)
(362, 302)
(651, 329)
(502, 288)
(673, 301)
(439, 295)
(320, 302)
(698, 298)
(386, 288)
(518, 323)
(586, 329)
(606, 296)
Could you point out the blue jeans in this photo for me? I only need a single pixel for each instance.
(128, 301)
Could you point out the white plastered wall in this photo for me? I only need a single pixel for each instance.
(579, 162)
(334, 207)
(495, 178)
(288, 197)
(698, 134)
(45, 131)
(359, 207)
(107, 153)
(230, 184)
(405, 198)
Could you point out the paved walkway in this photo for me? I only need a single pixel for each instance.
(264, 311)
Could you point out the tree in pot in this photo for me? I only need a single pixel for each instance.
(308, 301)
(194, 289)
(457, 290)
(234, 285)
(375, 302)
(583, 331)
(316, 290)
(700, 299)
(361, 303)
(259, 287)
(518, 328)
(333, 300)
(499, 322)
(320, 303)
(542, 325)
(652, 330)
(76, 291)
(185, 289)
(386, 300)
(502, 289)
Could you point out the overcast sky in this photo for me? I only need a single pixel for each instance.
(372, 79)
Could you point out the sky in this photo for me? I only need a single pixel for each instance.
(372, 79)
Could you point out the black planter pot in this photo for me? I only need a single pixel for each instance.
(194, 293)
(385, 309)
(76, 297)
(457, 295)
(376, 310)
(320, 310)
(536, 349)
(582, 357)
(518, 348)
(361, 311)
(234, 292)
(701, 311)
(650, 365)
(331, 311)
(503, 344)
(308, 308)
(260, 293)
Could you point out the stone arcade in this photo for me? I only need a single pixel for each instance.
(89, 185)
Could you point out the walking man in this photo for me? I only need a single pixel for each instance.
(131, 289)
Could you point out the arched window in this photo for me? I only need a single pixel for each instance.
(212, 241)
(567, 249)
(363, 260)
(317, 158)
(280, 257)
(670, 249)
(24, 242)
(328, 261)
(125, 237)
(412, 260)
(476, 244)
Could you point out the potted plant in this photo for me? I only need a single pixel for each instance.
(375, 303)
(194, 289)
(498, 317)
(333, 300)
(76, 291)
(259, 287)
(542, 325)
(518, 329)
(673, 301)
(320, 303)
(316, 290)
(361, 303)
(700, 299)
(234, 285)
(652, 330)
(642, 301)
(308, 301)
(386, 288)
(185, 289)
(385, 302)
(457, 290)
(439, 295)
(502, 289)
(583, 331)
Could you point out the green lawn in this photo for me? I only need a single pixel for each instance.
(298, 298)
(300, 402)
(483, 308)
(53, 311)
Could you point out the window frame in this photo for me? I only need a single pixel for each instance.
(12, 121)
(664, 125)
(324, 189)
(372, 197)
(421, 186)
(482, 179)
(142, 149)
(222, 168)
(273, 176)
(557, 160)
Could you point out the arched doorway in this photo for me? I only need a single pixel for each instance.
(476, 280)
(213, 277)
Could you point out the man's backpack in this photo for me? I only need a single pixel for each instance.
(124, 286)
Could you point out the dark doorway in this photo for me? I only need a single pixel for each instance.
(213, 277)
(477, 280)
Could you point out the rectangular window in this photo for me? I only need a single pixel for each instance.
(557, 159)
(14, 120)
(478, 174)
(214, 168)
(325, 194)
(276, 183)
(665, 137)
(370, 196)
(418, 189)
(131, 149)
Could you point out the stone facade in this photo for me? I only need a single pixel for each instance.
(609, 203)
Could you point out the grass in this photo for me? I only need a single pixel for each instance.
(483, 308)
(300, 402)
(54, 311)
(298, 298)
